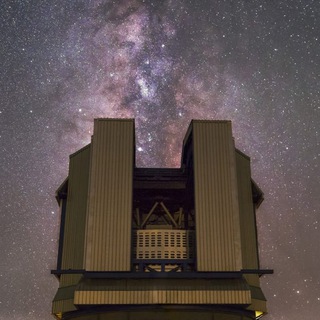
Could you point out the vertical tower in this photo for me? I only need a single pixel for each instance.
(148, 243)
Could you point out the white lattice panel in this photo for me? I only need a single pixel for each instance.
(164, 244)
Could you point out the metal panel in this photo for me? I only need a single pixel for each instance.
(67, 280)
(247, 215)
(259, 302)
(159, 313)
(63, 300)
(108, 239)
(75, 218)
(163, 291)
(61, 306)
(216, 199)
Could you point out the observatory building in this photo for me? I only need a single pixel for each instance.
(159, 244)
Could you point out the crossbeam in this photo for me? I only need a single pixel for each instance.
(168, 214)
(149, 214)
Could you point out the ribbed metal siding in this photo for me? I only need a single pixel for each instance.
(247, 219)
(62, 306)
(216, 201)
(162, 292)
(67, 280)
(163, 314)
(63, 300)
(75, 219)
(108, 241)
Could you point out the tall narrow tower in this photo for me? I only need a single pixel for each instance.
(147, 243)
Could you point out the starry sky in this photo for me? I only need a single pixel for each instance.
(64, 63)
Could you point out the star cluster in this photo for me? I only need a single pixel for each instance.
(163, 63)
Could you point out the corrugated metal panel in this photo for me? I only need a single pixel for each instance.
(74, 231)
(258, 305)
(108, 240)
(159, 313)
(158, 291)
(65, 293)
(247, 215)
(63, 300)
(62, 306)
(259, 302)
(216, 198)
(257, 293)
(252, 279)
(69, 279)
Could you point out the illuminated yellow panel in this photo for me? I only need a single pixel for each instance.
(259, 314)
(59, 315)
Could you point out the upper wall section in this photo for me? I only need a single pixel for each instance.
(247, 213)
(214, 184)
(216, 196)
(73, 233)
(108, 239)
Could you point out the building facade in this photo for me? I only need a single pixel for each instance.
(148, 243)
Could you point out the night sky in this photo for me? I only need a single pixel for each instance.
(64, 63)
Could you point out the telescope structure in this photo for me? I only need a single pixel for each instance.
(159, 243)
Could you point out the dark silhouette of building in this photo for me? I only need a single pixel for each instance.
(149, 243)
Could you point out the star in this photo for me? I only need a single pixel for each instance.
(163, 63)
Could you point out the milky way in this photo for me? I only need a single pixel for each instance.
(163, 63)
